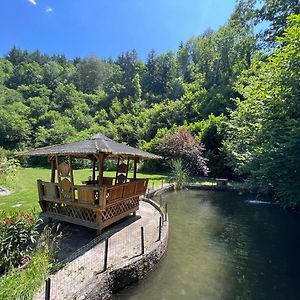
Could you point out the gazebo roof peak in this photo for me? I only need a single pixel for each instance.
(100, 136)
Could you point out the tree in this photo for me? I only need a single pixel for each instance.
(6, 70)
(270, 16)
(15, 128)
(92, 73)
(26, 74)
(182, 145)
(264, 131)
(65, 97)
(137, 89)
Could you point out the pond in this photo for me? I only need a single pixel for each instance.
(223, 246)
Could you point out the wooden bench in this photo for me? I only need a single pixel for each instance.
(221, 181)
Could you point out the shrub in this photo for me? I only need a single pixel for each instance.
(17, 235)
(182, 145)
(7, 169)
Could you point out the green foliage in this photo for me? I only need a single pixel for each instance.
(180, 175)
(264, 130)
(51, 99)
(212, 133)
(270, 16)
(8, 169)
(183, 146)
(6, 69)
(21, 284)
(17, 234)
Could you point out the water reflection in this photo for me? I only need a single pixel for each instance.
(221, 247)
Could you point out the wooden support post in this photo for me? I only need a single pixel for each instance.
(71, 176)
(47, 289)
(101, 168)
(105, 255)
(40, 190)
(94, 170)
(117, 170)
(142, 241)
(99, 220)
(127, 169)
(135, 168)
(58, 177)
(102, 195)
(53, 167)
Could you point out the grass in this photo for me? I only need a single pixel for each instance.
(25, 197)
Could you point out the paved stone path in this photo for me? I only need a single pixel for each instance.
(123, 245)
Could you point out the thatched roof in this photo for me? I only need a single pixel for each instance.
(98, 143)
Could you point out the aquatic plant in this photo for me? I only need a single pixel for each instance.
(180, 174)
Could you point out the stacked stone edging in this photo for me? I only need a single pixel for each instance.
(102, 286)
(224, 188)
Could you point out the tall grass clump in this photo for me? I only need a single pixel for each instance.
(180, 174)
(21, 284)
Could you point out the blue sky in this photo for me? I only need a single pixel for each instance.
(106, 27)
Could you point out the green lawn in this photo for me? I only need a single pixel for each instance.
(25, 197)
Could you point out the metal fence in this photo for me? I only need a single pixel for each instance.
(98, 256)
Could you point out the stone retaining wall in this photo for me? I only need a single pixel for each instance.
(102, 286)
(224, 188)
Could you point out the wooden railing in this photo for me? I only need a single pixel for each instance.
(92, 194)
(126, 190)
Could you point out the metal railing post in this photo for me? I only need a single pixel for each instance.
(47, 288)
(159, 229)
(142, 241)
(105, 254)
(166, 212)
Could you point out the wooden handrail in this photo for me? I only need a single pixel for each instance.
(107, 194)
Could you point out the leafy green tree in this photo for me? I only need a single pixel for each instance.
(137, 89)
(52, 74)
(58, 132)
(34, 90)
(269, 15)
(65, 97)
(264, 130)
(15, 129)
(26, 74)
(6, 70)
(9, 96)
(92, 73)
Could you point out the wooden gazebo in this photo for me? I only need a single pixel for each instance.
(99, 201)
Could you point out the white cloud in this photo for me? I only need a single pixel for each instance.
(49, 10)
(33, 2)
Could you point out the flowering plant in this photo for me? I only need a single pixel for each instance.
(18, 233)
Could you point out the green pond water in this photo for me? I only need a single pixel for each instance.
(223, 247)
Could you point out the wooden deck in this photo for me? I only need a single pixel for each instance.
(91, 205)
